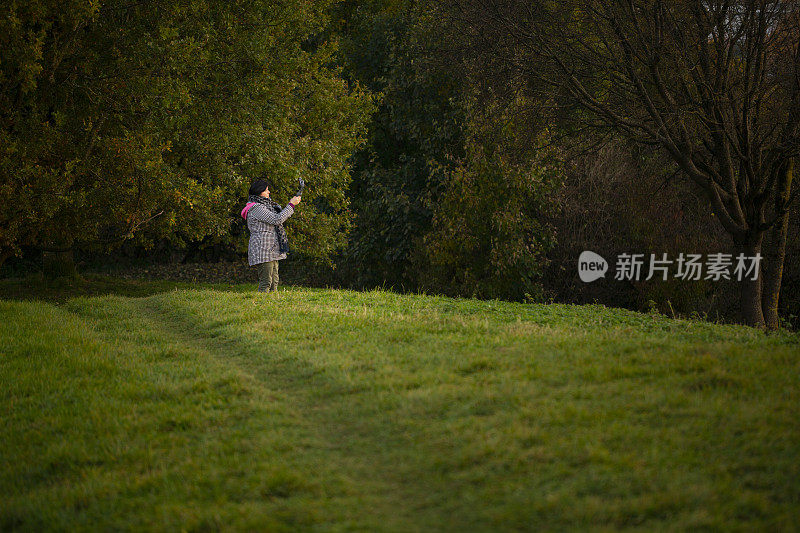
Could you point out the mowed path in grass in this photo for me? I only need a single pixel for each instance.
(335, 410)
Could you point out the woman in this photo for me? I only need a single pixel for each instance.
(268, 243)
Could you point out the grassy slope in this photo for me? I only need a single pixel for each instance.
(331, 410)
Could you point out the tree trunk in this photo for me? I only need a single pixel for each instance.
(750, 289)
(4, 256)
(58, 263)
(776, 254)
(57, 258)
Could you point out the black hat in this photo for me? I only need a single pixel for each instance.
(258, 186)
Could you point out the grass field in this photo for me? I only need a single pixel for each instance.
(333, 410)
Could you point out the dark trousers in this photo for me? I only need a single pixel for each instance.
(268, 276)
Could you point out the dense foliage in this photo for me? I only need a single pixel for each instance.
(147, 120)
(444, 198)
(414, 135)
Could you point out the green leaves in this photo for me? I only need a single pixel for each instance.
(116, 113)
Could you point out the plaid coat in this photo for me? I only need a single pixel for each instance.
(262, 222)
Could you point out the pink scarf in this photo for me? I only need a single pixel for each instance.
(246, 209)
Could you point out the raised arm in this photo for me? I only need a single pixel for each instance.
(264, 214)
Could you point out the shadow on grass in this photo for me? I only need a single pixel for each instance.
(59, 290)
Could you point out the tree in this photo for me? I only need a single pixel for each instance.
(713, 83)
(449, 192)
(491, 233)
(145, 120)
(413, 137)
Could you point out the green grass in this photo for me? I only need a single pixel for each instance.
(333, 410)
(59, 290)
